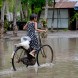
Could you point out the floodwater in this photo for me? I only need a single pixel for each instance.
(65, 63)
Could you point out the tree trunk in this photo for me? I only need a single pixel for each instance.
(2, 20)
(21, 11)
(44, 34)
(14, 19)
(46, 9)
(1, 32)
(53, 16)
(76, 24)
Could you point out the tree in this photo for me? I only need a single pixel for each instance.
(26, 8)
(4, 11)
(46, 9)
(33, 6)
(2, 17)
(13, 8)
(75, 17)
(14, 18)
(53, 15)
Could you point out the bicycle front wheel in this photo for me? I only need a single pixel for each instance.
(19, 53)
(45, 55)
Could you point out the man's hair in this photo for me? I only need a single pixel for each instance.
(32, 16)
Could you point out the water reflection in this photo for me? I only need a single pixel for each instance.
(1, 53)
(65, 64)
(73, 48)
(6, 49)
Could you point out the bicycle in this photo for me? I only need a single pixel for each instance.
(21, 56)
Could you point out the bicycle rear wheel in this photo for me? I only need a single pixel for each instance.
(19, 53)
(45, 55)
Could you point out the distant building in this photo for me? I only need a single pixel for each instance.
(64, 10)
(9, 16)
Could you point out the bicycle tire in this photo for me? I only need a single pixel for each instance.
(44, 56)
(19, 52)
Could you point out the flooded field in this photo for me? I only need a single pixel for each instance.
(65, 63)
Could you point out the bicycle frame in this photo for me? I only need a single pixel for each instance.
(40, 44)
(39, 39)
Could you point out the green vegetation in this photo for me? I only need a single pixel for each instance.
(44, 22)
(0, 3)
(74, 17)
(23, 7)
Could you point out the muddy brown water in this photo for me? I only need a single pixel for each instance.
(65, 64)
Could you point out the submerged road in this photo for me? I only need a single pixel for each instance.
(65, 63)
